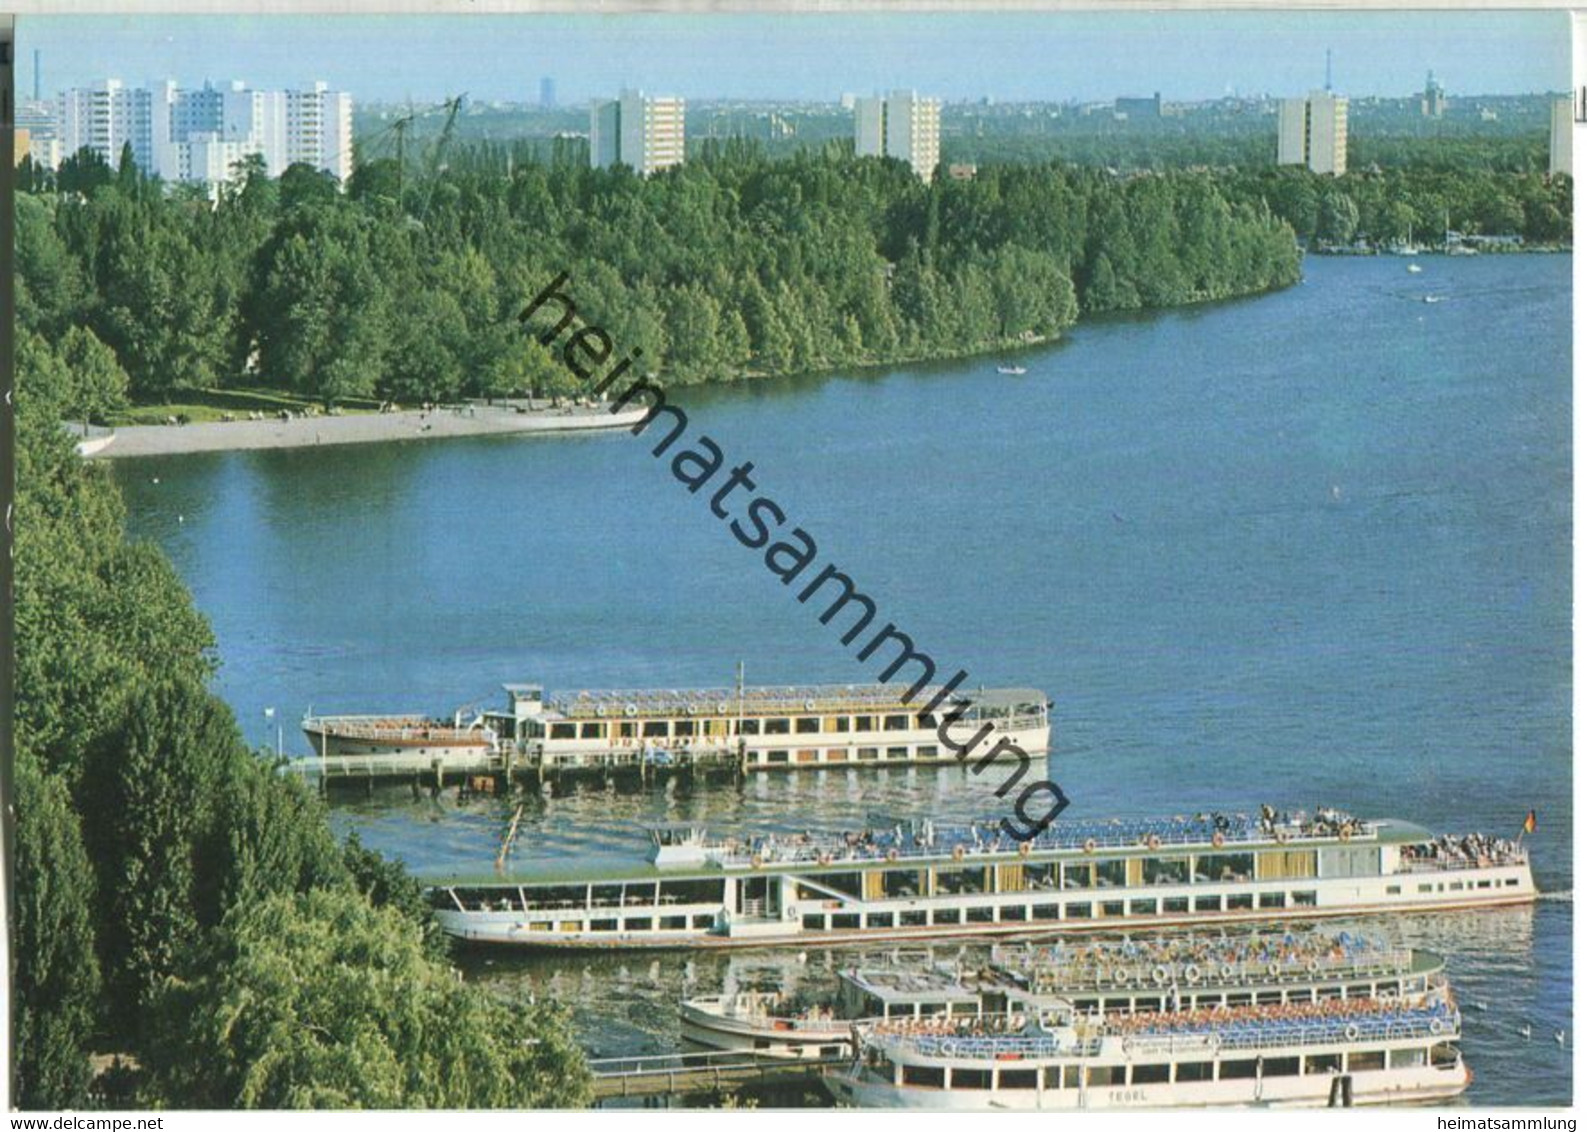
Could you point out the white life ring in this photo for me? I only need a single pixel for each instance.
(725, 708)
(631, 709)
(1282, 836)
(600, 709)
(1313, 967)
(1192, 973)
(1435, 1027)
(756, 861)
(1273, 969)
(688, 709)
(949, 1048)
(1121, 976)
(825, 858)
(1159, 974)
(810, 705)
(1154, 842)
(1226, 971)
(1352, 1032)
(1091, 845)
(892, 854)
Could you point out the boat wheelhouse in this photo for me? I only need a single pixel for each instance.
(925, 880)
(748, 728)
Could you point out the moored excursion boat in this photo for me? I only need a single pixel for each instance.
(1392, 1040)
(753, 728)
(398, 744)
(919, 880)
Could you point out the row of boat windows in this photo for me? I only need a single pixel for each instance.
(907, 883)
(1063, 876)
(1156, 1003)
(1457, 886)
(689, 728)
(1160, 1073)
(1020, 913)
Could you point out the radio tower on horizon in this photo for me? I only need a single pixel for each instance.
(1328, 71)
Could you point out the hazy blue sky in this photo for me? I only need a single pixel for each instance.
(1054, 56)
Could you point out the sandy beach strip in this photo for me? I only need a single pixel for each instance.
(361, 428)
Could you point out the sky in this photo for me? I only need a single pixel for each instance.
(815, 56)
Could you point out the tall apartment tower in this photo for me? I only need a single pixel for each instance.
(1312, 132)
(901, 125)
(319, 129)
(1560, 127)
(644, 133)
(199, 135)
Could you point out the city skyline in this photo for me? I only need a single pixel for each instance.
(1012, 57)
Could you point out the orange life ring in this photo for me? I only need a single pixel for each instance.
(1217, 840)
(958, 852)
(1344, 833)
(825, 858)
(1024, 848)
(892, 854)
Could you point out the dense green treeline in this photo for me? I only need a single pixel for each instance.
(1384, 207)
(732, 264)
(177, 899)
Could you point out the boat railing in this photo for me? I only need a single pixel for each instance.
(1269, 1033)
(1089, 1041)
(1189, 974)
(1447, 862)
(949, 841)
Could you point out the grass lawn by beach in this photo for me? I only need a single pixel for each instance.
(202, 405)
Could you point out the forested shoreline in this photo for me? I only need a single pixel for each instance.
(732, 265)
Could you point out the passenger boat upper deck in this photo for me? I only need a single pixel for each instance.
(920, 880)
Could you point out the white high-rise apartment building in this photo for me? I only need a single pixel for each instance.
(319, 129)
(901, 125)
(199, 135)
(1560, 127)
(632, 129)
(1312, 131)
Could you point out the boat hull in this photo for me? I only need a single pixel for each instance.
(508, 929)
(1420, 1085)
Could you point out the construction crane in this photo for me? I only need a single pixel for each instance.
(397, 131)
(434, 166)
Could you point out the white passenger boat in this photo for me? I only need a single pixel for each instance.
(912, 881)
(754, 728)
(774, 1023)
(400, 744)
(1369, 1026)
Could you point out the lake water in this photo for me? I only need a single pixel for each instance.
(1310, 548)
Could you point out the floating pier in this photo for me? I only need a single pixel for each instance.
(684, 1074)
